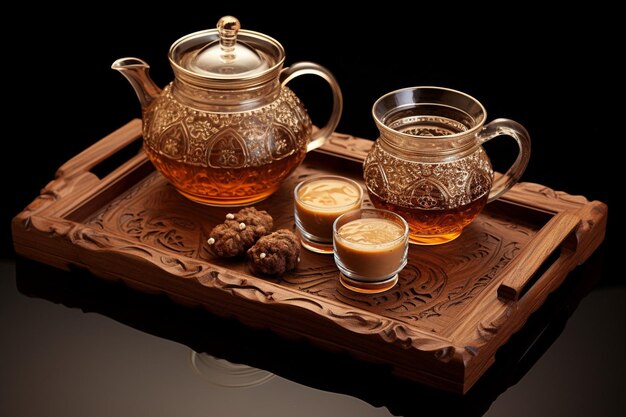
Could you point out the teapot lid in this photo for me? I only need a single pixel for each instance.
(225, 54)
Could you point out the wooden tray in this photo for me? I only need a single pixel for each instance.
(454, 306)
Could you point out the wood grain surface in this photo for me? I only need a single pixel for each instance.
(454, 305)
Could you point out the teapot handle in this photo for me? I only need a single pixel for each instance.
(507, 127)
(302, 68)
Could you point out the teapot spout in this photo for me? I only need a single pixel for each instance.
(136, 72)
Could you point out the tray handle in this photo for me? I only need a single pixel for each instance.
(101, 150)
(528, 268)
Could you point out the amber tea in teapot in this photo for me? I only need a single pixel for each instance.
(227, 131)
(428, 164)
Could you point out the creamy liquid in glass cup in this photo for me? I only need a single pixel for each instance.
(319, 201)
(371, 247)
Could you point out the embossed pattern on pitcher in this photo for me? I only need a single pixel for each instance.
(437, 200)
(427, 186)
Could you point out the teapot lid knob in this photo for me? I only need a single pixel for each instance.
(227, 27)
(227, 52)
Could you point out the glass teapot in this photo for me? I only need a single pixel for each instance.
(227, 131)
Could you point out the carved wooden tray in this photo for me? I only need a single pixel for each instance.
(454, 306)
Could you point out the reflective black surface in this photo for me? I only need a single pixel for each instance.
(76, 345)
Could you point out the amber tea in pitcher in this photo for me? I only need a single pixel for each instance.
(428, 164)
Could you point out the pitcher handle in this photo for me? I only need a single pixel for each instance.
(507, 127)
(302, 68)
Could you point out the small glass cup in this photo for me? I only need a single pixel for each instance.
(318, 201)
(371, 247)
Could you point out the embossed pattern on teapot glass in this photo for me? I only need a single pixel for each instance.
(227, 131)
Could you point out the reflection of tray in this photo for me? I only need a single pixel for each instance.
(454, 306)
(323, 370)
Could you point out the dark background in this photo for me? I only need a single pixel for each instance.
(554, 73)
(548, 72)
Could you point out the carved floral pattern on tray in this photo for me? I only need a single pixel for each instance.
(442, 324)
(436, 283)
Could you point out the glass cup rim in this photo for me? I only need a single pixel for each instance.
(388, 213)
(477, 126)
(329, 176)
